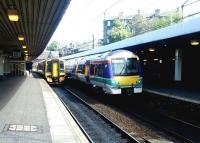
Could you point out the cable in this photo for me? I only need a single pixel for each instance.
(111, 6)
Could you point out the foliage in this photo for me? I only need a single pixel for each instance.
(119, 31)
(53, 46)
(140, 24)
(163, 21)
(160, 22)
(176, 16)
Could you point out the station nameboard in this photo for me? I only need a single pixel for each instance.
(16, 54)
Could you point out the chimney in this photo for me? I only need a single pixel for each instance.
(121, 15)
(157, 12)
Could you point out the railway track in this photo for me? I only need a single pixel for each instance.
(184, 131)
(97, 126)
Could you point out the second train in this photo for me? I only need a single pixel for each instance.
(114, 72)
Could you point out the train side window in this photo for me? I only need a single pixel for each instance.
(96, 69)
(100, 70)
(92, 69)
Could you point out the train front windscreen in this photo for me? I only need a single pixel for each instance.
(124, 66)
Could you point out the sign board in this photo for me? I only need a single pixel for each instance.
(16, 54)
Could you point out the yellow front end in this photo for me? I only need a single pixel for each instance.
(124, 81)
(62, 76)
(55, 71)
(49, 77)
(129, 84)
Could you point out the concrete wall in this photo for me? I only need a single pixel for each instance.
(1, 65)
(178, 65)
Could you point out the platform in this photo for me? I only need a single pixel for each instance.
(192, 96)
(30, 112)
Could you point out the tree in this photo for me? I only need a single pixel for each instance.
(160, 22)
(53, 46)
(176, 16)
(140, 24)
(119, 31)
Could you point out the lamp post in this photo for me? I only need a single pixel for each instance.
(182, 11)
(92, 41)
(182, 6)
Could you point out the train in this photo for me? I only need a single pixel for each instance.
(53, 70)
(114, 72)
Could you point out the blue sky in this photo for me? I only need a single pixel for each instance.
(84, 18)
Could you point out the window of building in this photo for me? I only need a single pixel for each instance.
(108, 41)
(108, 23)
(108, 32)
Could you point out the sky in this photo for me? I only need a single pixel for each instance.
(84, 18)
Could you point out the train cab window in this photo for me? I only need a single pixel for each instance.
(132, 66)
(125, 66)
(118, 66)
(49, 65)
(83, 69)
(80, 69)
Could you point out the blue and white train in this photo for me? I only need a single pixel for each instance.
(115, 72)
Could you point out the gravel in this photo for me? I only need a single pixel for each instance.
(130, 124)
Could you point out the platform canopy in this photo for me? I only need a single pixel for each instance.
(37, 20)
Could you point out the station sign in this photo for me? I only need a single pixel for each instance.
(17, 54)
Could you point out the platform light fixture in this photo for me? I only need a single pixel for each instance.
(194, 42)
(26, 58)
(25, 51)
(155, 59)
(13, 15)
(20, 37)
(151, 49)
(24, 46)
(144, 60)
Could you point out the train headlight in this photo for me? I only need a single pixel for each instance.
(139, 81)
(113, 84)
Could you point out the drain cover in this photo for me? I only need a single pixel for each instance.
(22, 128)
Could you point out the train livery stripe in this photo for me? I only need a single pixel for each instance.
(104, 80)
(121, 81)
